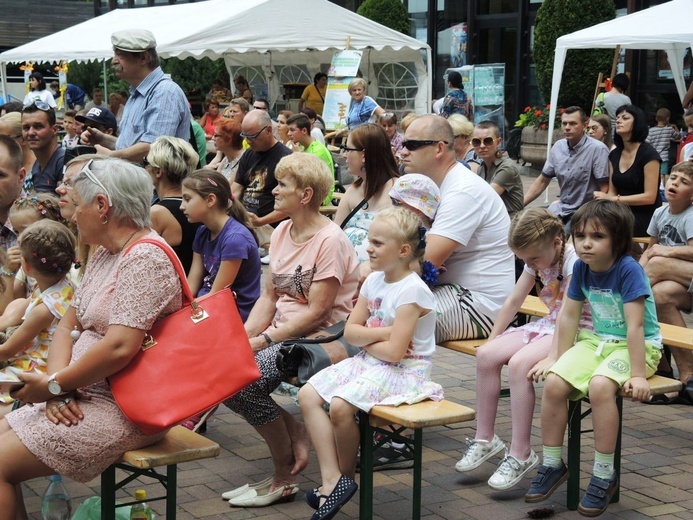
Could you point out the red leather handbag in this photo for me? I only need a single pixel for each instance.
(190, 360)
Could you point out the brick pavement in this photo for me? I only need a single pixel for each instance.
(656, 480)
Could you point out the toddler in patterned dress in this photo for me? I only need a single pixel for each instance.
(394, 324)
(47, 252)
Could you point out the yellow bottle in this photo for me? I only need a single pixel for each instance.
(140, 511)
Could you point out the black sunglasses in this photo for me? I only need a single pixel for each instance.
(488, 141)
(251, 137)
(345, 148)
(38, 104)
(415, 144)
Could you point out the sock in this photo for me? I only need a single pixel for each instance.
(552, 456)
(604, 465)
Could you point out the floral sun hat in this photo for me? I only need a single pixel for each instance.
(417, 191)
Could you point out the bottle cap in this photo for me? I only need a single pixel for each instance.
(140, 494)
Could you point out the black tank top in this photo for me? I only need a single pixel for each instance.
(184, 249)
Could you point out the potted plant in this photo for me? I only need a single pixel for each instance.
(534, 122)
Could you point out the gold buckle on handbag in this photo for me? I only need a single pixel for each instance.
(148, 342)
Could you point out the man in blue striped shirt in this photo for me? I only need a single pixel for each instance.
(157, 105)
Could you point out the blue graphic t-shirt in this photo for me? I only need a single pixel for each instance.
(607, 292)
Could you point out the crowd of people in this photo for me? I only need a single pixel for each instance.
(432, 242)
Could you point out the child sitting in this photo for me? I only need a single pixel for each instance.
(668, 262)
(538, 238)
(394, 324)
(48, 250)
(622, 352)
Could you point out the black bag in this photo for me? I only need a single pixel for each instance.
(310, 355)
(513, 144)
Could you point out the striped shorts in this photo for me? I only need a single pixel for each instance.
(458, 317)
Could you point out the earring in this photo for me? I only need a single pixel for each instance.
(363, 169)
(103, 219)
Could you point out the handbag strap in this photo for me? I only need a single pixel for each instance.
(353, 212)
(187, 294)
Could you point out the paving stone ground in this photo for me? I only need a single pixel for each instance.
(656, 479)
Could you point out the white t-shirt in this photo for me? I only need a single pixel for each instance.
(41, 95)
(472, 214)
(316, 134)
(384, 299)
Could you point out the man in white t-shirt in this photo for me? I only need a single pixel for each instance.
(468, 241)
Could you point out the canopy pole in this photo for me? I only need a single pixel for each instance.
(3, 75)
(105, 81)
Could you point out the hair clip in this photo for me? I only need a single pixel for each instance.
(422, 237)
(429, 273)
(77, 264)
(212, 182)
(34, 253)
(43, 260)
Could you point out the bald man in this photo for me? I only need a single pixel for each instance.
(255, 178)
(469, 236)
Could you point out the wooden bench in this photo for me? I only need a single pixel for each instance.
(415, 416)
(180, 445)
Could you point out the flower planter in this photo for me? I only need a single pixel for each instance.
(533, 149)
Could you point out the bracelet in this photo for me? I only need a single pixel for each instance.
(618, 198)
(5, 272)
(267, 338)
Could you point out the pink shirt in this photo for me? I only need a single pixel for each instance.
(328, 254)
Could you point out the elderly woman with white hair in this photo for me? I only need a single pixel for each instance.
(76, 428)
(362, 107)
(169, 161)
(463, 129)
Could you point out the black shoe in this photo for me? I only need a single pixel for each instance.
(389, 457)
(340, 495)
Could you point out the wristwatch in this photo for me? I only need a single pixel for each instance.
(53, 385)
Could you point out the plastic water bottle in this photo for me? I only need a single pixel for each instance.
(140, 511)
(56, 501)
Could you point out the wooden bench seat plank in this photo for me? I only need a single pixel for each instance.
(466, 346)
(180, 445)
(659, 385)
(422, 415)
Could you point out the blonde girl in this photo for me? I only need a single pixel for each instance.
(47, 252)
(538, 238)
(394, 324)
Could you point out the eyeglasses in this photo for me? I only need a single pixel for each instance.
(415, 144)
(90, 175)
(216, 136)
(487, 141)
(251, 137)
(38, 104)
(344, 148)
(260, 108)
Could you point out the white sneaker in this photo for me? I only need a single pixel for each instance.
(265, 260)
(511, 471)
(479, 452)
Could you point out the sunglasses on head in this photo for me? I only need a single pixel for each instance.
(415, 144)
(487, 141)
(38, 104)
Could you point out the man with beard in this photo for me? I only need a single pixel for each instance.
(157, 105)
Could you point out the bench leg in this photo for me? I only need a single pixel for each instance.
(366, 470)
(108, 493)
(171, 489)
(574, 431)
(617, 452)
(416, 485)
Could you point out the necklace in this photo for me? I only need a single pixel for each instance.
(128, 240)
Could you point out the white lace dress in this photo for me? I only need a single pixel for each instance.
(132, 290)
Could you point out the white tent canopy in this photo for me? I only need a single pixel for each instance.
(260, 33)
(665, 27)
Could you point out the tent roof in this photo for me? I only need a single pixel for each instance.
(217, 27)
(662, 27)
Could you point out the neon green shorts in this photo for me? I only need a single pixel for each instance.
(591, 356)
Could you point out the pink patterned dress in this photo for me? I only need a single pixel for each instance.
(133, 290)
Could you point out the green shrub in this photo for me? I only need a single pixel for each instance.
(390, 13)
(582, 66)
